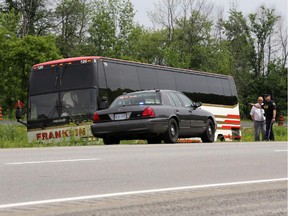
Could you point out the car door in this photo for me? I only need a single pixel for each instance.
(183, 114)
(197, 119)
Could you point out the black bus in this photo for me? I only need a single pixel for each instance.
(70, 90)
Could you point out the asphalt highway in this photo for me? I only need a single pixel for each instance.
(179, 179)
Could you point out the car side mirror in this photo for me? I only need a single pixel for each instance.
(103, 103)
(197, 105)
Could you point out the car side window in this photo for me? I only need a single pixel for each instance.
(170, 100)
(175, 99)
(187, 102)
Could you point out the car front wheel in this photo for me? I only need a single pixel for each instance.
(171, 135)
(209, 133)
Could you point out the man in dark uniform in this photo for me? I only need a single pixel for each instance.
(270, 114)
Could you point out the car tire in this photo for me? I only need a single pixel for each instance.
(111, 141)
(155, 140)
(172, 133)
(209, 134)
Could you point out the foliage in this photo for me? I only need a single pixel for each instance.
(72, 17)
(252, 48)
(111, 26)
(13, 136)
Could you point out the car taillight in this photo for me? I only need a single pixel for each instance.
(148, 112)
(96, 117)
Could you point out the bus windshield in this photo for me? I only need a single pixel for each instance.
(67, 77)
(67, 103)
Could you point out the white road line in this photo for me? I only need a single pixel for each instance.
(281, 150)
(32, 203)
(52, 161)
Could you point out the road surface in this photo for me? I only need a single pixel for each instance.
(180, 179)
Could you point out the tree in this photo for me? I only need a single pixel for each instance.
(112, 24)
(261, 28)
(20, 55)
(165, 14)
(35, 17)
(72, 25)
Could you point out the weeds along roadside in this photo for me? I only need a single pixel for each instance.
(15, 136)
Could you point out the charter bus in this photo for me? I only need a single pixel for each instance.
(63, 94)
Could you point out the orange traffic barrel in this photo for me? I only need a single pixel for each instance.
(1, 114)
(280, 120)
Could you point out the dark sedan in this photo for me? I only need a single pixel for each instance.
(154, 115)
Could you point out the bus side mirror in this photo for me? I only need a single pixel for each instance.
(103, 103)
(19, 113)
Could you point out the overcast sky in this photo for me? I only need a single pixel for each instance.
(246, 6)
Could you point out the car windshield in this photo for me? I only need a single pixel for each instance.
(136, 99)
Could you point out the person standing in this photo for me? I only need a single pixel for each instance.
(257, 115)
(270, 113)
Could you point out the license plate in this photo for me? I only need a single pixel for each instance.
(120, 116)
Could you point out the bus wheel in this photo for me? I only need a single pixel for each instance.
(154, 140)
(111, 141)
(221, 138)
(171, 135)
(209, 133)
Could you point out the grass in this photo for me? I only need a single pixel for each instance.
(280, 134)
(15, 136)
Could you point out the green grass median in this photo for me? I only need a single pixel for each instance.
(15, 136)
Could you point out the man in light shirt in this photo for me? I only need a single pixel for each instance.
(257, 115)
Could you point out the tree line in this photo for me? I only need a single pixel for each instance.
(191, 34)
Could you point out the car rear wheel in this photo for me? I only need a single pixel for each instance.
(111, 141)
(172, 133)
(154, 140)
(209, 133)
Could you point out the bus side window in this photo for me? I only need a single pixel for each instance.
(215, 85)
(226, 87)
(129, 77)
(183, 83)
(147, 78)
(101, 74)
(166, 79)
(199, 84)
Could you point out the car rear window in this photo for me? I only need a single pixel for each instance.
(143, 98)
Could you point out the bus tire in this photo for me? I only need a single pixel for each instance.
(111, 141)
(172, 133)
(209, 134)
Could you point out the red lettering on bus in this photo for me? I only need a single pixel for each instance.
(44, 136)
(38, 136)
(51, 135)
(65, 133)
(57, 134)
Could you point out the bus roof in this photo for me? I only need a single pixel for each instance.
(65, 60)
